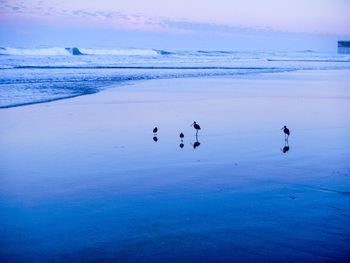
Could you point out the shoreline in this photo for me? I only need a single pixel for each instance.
(135, 81)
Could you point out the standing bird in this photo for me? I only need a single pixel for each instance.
(182, 140)
(196, 126)
(286, 132)
(155, 130)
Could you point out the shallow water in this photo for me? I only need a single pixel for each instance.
(82, 180)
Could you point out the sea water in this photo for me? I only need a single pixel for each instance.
(38, 75)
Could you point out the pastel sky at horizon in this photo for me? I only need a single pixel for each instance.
(182, 22)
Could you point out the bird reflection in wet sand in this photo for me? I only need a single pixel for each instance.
(286, 146)
(182, 140)
(196, 143)
(155, 138)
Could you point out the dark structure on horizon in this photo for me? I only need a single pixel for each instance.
(344, 47)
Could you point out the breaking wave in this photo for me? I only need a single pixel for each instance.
(34, 75)
(52, 51)
(68, 51)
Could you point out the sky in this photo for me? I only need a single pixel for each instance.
(208, 24)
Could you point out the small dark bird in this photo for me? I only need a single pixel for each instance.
(196, 126)
(155, 138)
(155, 130)
(286, 132)
(182, 140)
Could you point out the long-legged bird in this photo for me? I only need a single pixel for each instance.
(286, 132)
(196, 126)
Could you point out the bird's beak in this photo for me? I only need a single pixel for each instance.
(192, 124)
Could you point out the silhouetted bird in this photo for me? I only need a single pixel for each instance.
(196, 126)
(182, 140)
(155, 138)
(155, 130)
(286, 132)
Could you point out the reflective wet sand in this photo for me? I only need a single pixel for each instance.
(84, 180)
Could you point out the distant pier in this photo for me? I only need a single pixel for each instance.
(344, 47)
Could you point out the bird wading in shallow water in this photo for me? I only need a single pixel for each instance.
(155, 130)
(182, 140)
(286, 132)
(196, 126)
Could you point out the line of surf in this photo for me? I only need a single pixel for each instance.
(138, 67)
(44, 100)
(309, 60)
(75, 51)
(108, 82)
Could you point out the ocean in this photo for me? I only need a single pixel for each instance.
(39, 75)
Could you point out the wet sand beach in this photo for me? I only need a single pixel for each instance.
(82, 180)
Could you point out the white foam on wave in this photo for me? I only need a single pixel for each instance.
(61, 51)
(49, 73)
(52, 51)
(119, 52)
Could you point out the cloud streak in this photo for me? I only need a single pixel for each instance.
(311, 17)
(103, 23)
(78, 17)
